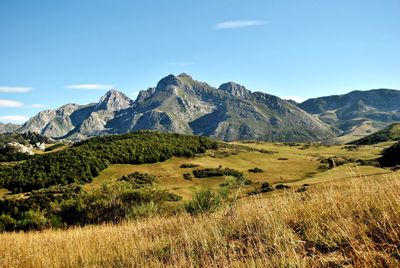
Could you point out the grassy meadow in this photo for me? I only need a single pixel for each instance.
(348, 216)
(354, 223)
(293, 164)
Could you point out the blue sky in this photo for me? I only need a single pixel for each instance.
(55, 52)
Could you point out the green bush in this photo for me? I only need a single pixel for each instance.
(7, 223)
(256, 170)
(188, 166)
(32, 220)
(138, 180)
(187, 176)
(204, 201)
(218, 172)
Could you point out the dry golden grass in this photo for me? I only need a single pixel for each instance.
(354, 223)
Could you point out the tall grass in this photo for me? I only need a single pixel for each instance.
(355, 223)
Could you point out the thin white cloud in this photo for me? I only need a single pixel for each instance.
(297, 99)
(90, 86)
(235, 24)
(10, 104)
(13, 118)
(18, 104)
(15, 89)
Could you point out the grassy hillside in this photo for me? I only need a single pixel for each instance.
(354, 223)
(83, 161)
(292, 164)
(390, 133)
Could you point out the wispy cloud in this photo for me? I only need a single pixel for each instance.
(18, 104)
(235, 24)
(14, 118)
(295, 98)
(6, 89)
(90, 86)
(10, 104)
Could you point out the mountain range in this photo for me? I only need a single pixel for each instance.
(358, 113)
(230, 112)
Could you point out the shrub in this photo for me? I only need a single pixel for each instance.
(187, 176)
(204, 201)
(265, 187)
(282, 186)
(138, 180)
(7, 223)
(32, 220)
(218, 172)
(256, 170)
(188, 166)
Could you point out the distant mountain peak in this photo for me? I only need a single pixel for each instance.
(114, 100)
(235, 89)
(170, 80)
(185, 76)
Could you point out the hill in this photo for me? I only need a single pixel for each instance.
(358, 113)
(390, 133)
(83, 161)
(181, 104)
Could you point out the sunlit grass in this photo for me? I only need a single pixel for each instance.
(353, 223)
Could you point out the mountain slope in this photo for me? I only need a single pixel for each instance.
(183, 105)
(390, 133)
(358, 113)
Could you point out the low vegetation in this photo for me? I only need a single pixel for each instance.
(219, 172)
(355, 224)
(189, 165)
(390, 156)
(63, 206)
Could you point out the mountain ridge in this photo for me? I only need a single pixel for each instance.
(358, 113)
(184, 105)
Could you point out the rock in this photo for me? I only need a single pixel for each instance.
(19, 148)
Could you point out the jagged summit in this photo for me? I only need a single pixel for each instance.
(235, 89)
(185, 76)
(114, 100)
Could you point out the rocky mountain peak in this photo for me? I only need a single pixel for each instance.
(114, 100)
(235, 89)
(185, 76)
(168, 81)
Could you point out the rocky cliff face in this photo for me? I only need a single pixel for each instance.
(183, 105)
(8, 128)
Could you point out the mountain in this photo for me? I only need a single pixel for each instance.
(390, 133)
(183, 105)
(8, 128)
(358, 113)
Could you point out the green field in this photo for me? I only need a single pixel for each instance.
(294, 164)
